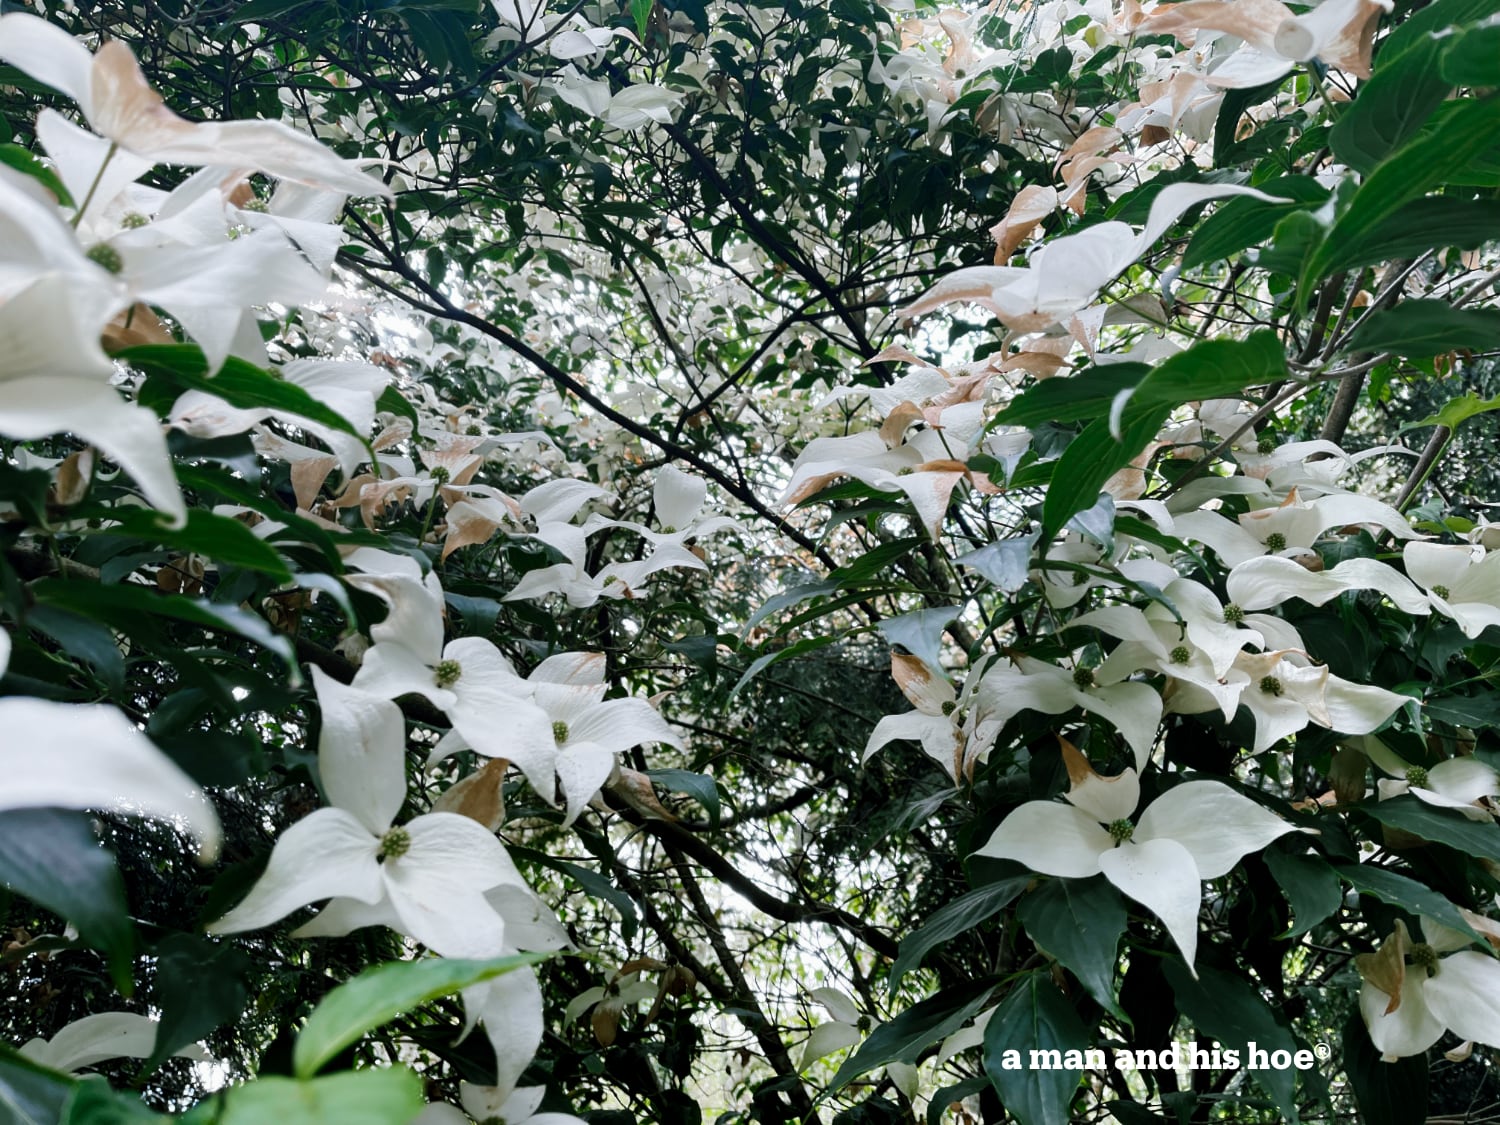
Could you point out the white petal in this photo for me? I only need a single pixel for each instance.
(326, 854)
(936, 733)
(1465, 780)
(48, 54)
(839, 1006)
(825, 1039)
(437, 888)
(90, 756)
(619, 724)
(94, 412)
(678, 497)
(1465, 996)
(1438, 564)
(361, 752)
(1133, 708)
(1410, 1029)
(105, 1035)
(1050, 838)
(582, 769)
(510, 1007)
(1359, 708)
(345, 915)
(1161, 875)
(390, 670)
(1215, 824)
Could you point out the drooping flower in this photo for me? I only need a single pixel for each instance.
(1412, 993)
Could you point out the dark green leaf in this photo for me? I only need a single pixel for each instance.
(1412, 171)
(83, 639)
(1034, 1017)
(384, 1096)
(199, 986)
(22, 160)
(903, 1038)
(1426, 328)
(1227, 1007)
(52, 857)
(1481, 712)
(1441, 826)
(698, 786)
(31, 1094)
(1311, 887)
(947, 922)
(1241, 223)
(1392, 105)
(1079, 921)
(220, 538)
(1432, 223)
(380, 994)
(1387, 1093)
(1091, 459)
(1408, 894)
(1474, 60)
(238, 383)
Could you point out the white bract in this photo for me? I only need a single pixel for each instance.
(1194, 831)
(1412, 994)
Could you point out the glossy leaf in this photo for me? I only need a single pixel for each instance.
(1034, 1017)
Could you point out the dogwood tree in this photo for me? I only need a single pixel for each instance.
(680, 560)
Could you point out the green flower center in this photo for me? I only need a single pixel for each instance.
(949, 706)
(257, 205)
(905, 471)
(1270, 685)
(441, 475)
(1083, 677)
(611, 580)
(1442, 592)
(1233, 614)
(394, 844)
(559, 732)
(669, 530)
(1276, 541)
(447, 673)
(474, 430)
(106, 256)
(1266, 445)
(1425, 957)
(1121, 830)
(1416, 775)
(133, 220)
(1181, 654)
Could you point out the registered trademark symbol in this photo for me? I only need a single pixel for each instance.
(1322, 1050)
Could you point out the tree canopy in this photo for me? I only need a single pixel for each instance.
(689, 561)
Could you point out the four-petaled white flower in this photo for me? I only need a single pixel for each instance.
(1412, 993)
(1194, 831)
(430, 873)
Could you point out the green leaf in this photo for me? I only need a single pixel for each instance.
(382, 993)
(1408, 894)
(238, 383)
(1474, 60)
(1478, 711)
(53, 858)
(1441, 826)
(384, 1096)
(1241, 223)
(1091, 459)
(94, 1103)
(1228, 1008)
(220, 538)
(84, 640)
(119, 604)
(1417, 167)
(958, 916)
(1435, 222)
(199, 986)
(1387, 1093)
(23, 161)
(592, 883)
(1034, 1017)
(640, 14)
(31, 1094)
(924, 1023)
(1076, 398)
(699, 786)
(1311, 887)
(1426, 328)
(1212, 369)
(1405, 88)
(1079, 921)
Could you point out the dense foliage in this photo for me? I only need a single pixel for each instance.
(677, 560)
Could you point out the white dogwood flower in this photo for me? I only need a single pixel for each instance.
(1194, 831)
